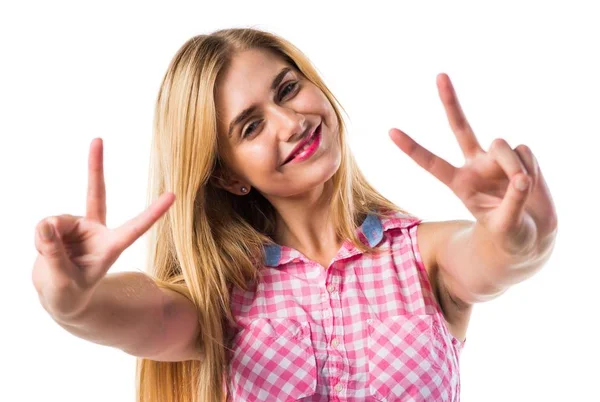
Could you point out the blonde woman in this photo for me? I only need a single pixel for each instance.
(277, 272)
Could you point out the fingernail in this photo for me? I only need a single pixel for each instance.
(521, 184)
(47, 231)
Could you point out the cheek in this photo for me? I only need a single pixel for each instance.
(256, 158)
(326, 109)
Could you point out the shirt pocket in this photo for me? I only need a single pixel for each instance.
(402, 362)
(273, 360)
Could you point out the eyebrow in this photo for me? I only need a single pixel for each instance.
(249, 110)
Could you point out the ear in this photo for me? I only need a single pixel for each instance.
(222, 178)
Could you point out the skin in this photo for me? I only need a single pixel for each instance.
(299, 191)
(466, 261)
(516, 222)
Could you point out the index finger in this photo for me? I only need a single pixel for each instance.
(129, 232)
(429, 161)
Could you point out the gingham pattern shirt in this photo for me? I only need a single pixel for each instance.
(366, 328)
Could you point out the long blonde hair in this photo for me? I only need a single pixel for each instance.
(211, 239)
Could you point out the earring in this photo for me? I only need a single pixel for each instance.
(244, 190)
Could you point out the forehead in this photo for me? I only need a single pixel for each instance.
(246, 80)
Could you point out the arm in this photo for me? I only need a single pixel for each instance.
(129, 311)
(505, 190)
(473, 269)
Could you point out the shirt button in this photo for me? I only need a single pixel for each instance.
(335, 342)
(338, 387)
(331, 288)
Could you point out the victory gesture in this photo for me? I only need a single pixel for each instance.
(503, 188)
(75, 252)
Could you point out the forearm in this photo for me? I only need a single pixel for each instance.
(480, 271)
(126, 311)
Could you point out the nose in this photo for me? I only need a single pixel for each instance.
(289, 125)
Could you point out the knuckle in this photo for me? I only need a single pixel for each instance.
(526, 155)
(52, 252)
(463, 125)
(524, 149)
(497, 144)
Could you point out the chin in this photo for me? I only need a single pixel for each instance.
(309, 177)
(315, 178)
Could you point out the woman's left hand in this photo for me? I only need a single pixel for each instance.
(518, 221)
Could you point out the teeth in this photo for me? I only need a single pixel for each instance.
(303, 148)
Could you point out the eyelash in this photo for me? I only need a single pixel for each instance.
(293, 84)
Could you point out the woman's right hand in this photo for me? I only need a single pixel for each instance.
(80, 249)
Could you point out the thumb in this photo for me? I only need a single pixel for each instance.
(511, 207)
(49, 243)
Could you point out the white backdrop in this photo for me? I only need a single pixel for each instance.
(527, 72)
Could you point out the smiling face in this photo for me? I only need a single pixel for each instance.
(284, 110)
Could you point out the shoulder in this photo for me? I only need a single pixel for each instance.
(432, 235)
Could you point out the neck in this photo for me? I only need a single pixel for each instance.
(304, 222)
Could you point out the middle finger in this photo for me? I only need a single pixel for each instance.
(458, 122)
(96, 194)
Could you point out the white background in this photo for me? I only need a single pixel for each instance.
(527, 72)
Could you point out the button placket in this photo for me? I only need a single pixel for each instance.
(326, 312)
(337, 360)
(328, 300)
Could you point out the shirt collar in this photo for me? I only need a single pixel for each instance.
(371, 230)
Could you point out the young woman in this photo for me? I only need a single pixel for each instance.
(278, 272)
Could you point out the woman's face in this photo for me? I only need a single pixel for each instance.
(286, 110)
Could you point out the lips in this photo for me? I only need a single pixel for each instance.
(300, 145)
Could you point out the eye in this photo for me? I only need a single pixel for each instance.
(250, 129)
(291, 84)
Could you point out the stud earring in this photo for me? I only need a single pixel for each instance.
(244, 190)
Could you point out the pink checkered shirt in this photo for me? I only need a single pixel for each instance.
(366, 328)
